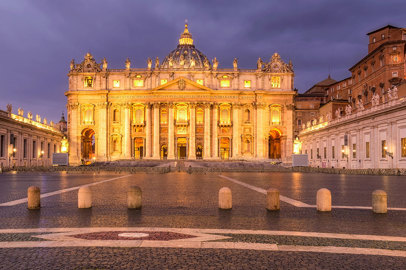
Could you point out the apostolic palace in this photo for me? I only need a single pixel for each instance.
(184, 107)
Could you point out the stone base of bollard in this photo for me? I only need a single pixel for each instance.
(323, 199)
(134, 198)
(84, 197)
(272, 199)
(379, 202)
(34, 198)
(225, 199)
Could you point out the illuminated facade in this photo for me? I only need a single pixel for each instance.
(184, 107)
(25, 141)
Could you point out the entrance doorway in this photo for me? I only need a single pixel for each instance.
(88, 144)
(274, 145)
(225, 148)
(199, 152)
(138, 148)
(181, 144)
(164, 151)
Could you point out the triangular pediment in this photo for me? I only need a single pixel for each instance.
(182, 84)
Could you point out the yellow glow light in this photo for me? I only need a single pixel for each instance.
(225, 83)
(138, 83)
(297, 146)
(116, 83)
(247, 84)
(199, 81)
(276, 82)
(88, 81)
(163, 81)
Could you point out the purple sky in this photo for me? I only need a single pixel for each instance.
(39, 38)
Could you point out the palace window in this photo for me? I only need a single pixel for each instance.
(164, 116)
(383, 148)
(199, 81)
(276, 82)
(374, 40)
(199, 116)
(275, 114)
(394, 74)
(311, 153)
(247, 146)
(342, 151)
(325, 152)
(403, 146)
(247, 84)
(34, 149)
(225, 83)
(163, 81)
(247, 116)
(354, 151)
(116, 83)
(181, 114)
(366, 149)
(88, 116)
(395, 58)
(88, 83)
(383, 36)
(25, 148)
(116, 115)
(225, 114)
(139, 116)
(333, 152)
(138, 83)
(49, 150)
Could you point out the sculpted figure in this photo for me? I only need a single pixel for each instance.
(127, 63)
(72, 64)
(206, 64)
(29, 115)
(170, 62)
(375, 99)
(104, 61)
(215, 64)
(338, 113)
(329, 116)
(394, 92)
(192, 63)
(157, 63)
(360, 104)
(182, 60)
(259, 63)
(20, 112)
(38, 118)
(149, 63)
(348, 109)
(9, 108)
(45, 121)
(390, 94)
(235, 64)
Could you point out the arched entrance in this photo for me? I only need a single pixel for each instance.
(274, 144)
(138, 148)
(88, 144)
(224, 148)
(164, 151)
(199, 152)
(181, 144)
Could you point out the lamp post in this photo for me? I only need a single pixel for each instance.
(388, 153)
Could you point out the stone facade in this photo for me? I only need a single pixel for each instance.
(183, 108)
(25, 141)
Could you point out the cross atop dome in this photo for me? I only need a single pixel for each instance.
(186, 37)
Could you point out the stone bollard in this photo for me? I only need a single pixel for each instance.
(323, 200)
(134, 197)
(272, 199)
(225, 198)
(33, 194)
(379, 202)
(84, 197)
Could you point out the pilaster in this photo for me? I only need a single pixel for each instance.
(192, 132)
(171, 151)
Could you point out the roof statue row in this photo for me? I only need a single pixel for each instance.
(185, 56)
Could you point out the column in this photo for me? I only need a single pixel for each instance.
(101, 135)
(73, 135)
(236, 134)
(260, 131)
(148, 131)
(156, 132)
(127, 131)
(206, 151)
(171, 152)
(192, 132)
(215, 132)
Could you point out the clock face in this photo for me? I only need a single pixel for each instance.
(275, 66)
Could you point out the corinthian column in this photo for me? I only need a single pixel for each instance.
(192, 132)
(171, 152)
(236, 134)
(206, 152)
(215, 149)
(155, 134)
(148, 131)
(127, 132)
(101, 152)
(260, 131)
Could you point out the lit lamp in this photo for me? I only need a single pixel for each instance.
(388, 153)
(64, 145)
(344, 153)
(42, 153)
(297, 146)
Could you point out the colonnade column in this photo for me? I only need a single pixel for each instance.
(101, 134)
(148, 131)
(206, 152)
(192, 132)
(127, 132)
(73, 135)
(236, 134)
(260, 131)
(215, 132)
(171, 152)
(155, 134)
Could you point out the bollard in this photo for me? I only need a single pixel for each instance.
(272, 199)
(323, 200)
(34, 201)
(134, 197)
(379, 202)
(84, 197)
(225, 198)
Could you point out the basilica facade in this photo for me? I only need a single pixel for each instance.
(185, 107)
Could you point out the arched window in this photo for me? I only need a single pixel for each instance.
(181, 114)
(139, 116)
(199, 116)
(276, 115)
(224, 116)
(247, 146)
(116, 115)
(247, 115)
(88, 116)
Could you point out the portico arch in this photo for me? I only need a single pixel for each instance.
(88, 144)
(274, 144)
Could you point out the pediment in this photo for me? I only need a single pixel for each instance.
(182, 84)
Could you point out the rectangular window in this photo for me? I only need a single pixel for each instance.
(199, 81)
(403, 146)
(394, 74)
(354, 151)
(116, 83)
(325, 152)
(88, 81)
(49, 150)
(2, 145)
(54, 148)
(34, 149)
(311, 153)
(276, 82)
(225, 83)
(318, 152)
(25, 149)
(342, 151)
(13, 140)
(384, 148)
(42, 149)
(163, 81)
(247, 84)
(366, 149)
(333, 152)
(138, 83)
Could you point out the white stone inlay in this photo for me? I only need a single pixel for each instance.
(133, 235)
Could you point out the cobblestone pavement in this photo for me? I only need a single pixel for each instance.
(181, 200)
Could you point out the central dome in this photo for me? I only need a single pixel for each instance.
(186, 56)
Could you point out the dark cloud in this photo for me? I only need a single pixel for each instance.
(39, 38)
